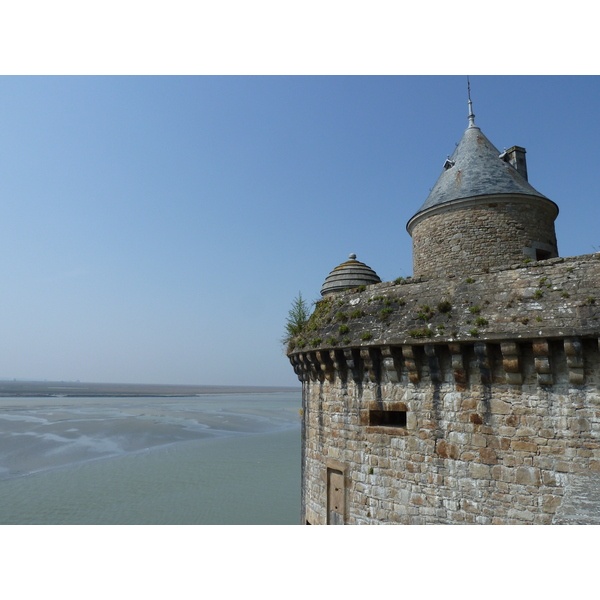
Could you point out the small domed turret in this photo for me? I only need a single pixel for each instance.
(349, 274)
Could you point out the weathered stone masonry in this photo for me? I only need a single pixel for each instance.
(470, 393)
(497, 429)
(476, 238)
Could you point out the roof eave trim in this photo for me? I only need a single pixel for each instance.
(476, 200)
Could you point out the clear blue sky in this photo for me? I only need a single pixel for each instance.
(156, 229)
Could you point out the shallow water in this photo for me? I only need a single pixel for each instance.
(218, 459)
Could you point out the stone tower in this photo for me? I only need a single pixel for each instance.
(469, 393)
(482, 212)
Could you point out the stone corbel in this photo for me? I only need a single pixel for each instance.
(541, 353)
(511, 362)
(482, 352)
(315, 367)
(370, 358)
(458, 364)
(574, 352)
(298, 366)
(391, 363)
(433, 362)
(353, 363)
(410, 361)
(325, 364)
(339, 363)
(303, 365)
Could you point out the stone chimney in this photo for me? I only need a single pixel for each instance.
(516, 157)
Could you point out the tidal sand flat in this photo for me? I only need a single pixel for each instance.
(214, 458)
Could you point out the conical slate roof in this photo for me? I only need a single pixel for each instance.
(475, 169)
(349, 274)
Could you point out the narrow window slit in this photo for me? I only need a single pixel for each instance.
(387, 418)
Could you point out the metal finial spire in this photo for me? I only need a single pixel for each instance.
(471, 115)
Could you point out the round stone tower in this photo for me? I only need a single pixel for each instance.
(481, 213)
(447, 400)
(348, 275)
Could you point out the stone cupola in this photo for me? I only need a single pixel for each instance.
(482, 212)
(350, 274)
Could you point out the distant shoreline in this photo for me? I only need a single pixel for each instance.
(70, 389)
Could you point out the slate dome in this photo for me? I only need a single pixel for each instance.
(349, 274)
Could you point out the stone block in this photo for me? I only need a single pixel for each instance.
(476, 418)
(542, 519)
(553, 450)
(551, 503)
(543, 462)
(488, 456)
(478, 440)
(461, 439)
(469, 404)
(447, 450)
(520, 515)
(523, 446)
(493, 442)
(514, 378)
(479, 471)
(512, 421)
(499, 407)
(546, 433)
(528, 476)
(502, 473)
(549, 478)
(525, 432)
(579, 424)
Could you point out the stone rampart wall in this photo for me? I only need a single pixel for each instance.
(455, 400)
(473, 448)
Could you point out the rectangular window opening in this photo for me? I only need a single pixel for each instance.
(387, 418)
(542, 254)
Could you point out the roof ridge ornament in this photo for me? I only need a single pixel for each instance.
(471, 115)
